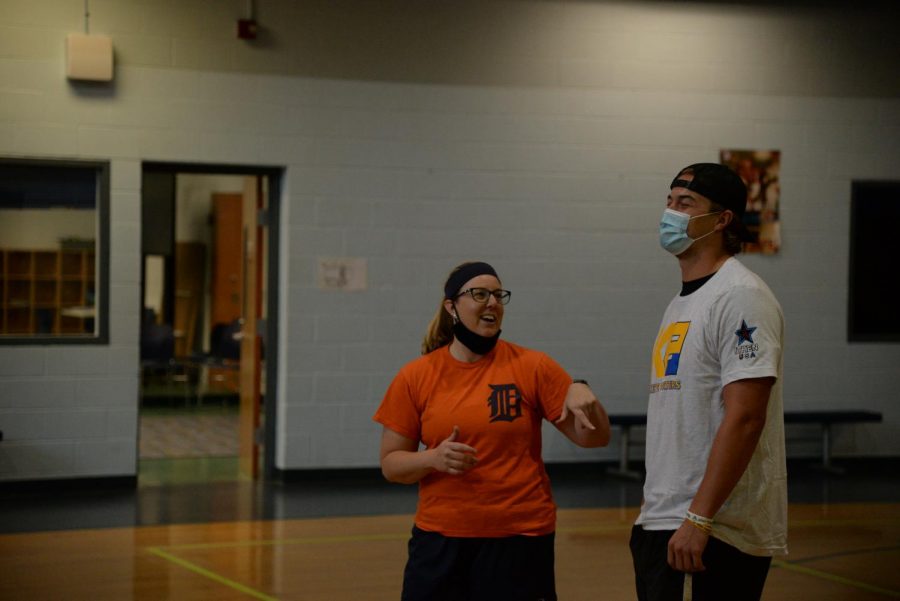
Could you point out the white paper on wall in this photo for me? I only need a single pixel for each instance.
(348, 274)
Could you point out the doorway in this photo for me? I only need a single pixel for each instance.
(209, 314)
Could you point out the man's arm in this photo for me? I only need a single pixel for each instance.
(746, 402)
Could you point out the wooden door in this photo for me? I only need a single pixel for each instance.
(251, 351)
(227, 272)
(227, 286)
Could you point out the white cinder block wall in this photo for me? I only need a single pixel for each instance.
(540, 136)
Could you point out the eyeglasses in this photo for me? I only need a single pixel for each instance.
(483, 295)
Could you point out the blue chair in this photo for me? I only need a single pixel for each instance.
(157, 352)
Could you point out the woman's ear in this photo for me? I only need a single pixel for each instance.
(450, 309)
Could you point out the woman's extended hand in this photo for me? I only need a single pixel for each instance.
(453, 457)
(583, 419)
(581, 404)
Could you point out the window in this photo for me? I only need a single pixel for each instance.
(874, 290)
(54, 255)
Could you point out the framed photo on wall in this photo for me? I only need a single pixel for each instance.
(760, 170)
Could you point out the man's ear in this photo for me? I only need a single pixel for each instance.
(725, 219)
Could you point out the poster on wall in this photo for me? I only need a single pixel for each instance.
(347, 274)
(760, 171)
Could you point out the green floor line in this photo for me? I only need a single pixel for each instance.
(846, 554)
(865, 586)
(211, 575)
(859, 521)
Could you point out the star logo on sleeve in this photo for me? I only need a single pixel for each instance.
(745, 333)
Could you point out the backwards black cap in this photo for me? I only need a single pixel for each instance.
(721, 185)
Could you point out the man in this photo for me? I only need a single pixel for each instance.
(715, 497)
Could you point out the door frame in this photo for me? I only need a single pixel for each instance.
(275, 177)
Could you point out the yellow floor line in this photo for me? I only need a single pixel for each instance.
(835, 578)
(311, 540)
(318, 540)
(354, 538)
(599, 528)
(211, 575)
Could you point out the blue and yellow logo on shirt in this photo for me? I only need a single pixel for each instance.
(667, 350)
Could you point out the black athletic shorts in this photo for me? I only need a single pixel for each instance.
(730, 575)
(514, 568)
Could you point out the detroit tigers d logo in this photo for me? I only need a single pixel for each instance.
(505, 403)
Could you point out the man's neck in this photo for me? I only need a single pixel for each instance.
(701, 264)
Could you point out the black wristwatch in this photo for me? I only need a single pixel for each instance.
(585, 382)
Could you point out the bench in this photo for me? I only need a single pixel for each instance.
(826, 419)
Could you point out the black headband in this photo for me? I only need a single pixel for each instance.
(464, 274)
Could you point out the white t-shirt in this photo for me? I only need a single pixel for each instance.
(731, 328)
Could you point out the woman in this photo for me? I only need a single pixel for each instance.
(485, 522)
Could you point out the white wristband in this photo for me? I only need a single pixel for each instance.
(699, 519)
(700, 522)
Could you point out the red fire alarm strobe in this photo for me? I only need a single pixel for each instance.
(246, 29)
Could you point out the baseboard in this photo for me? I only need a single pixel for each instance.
(93, 484)
(354, 474)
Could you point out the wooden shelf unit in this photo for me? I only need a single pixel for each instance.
(46, 292)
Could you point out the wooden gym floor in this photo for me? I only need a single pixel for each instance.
(298, 542)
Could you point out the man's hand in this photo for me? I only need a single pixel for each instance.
(686, 549)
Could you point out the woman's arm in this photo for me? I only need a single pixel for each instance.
(583, 420)
(402, 462)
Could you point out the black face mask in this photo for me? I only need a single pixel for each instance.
(478, 344)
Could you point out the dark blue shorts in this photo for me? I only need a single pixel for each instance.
(730, 574)
(514, 568)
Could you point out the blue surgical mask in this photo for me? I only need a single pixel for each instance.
(673, 234)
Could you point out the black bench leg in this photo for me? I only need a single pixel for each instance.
(622, 470)
(826, 451)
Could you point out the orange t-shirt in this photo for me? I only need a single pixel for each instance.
(498, 403)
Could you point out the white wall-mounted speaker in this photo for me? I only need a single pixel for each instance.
(89, 57)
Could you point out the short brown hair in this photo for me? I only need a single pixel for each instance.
(731, 236)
